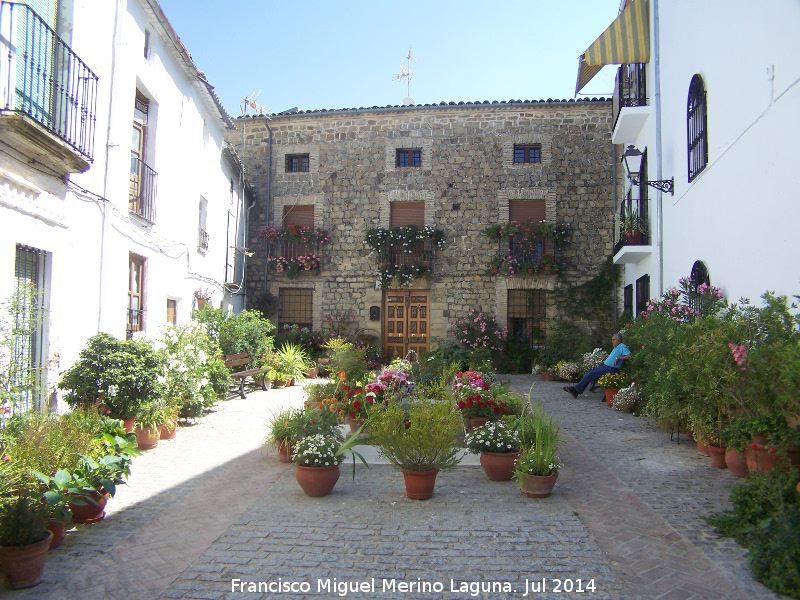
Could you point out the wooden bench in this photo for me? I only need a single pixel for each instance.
(233, 361)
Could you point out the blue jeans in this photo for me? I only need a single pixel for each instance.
(593, 375)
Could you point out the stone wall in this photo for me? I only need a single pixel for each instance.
(466, 180)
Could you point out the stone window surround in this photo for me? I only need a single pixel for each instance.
(505, 195)
(294, 149)
(409, 143)
(386, 198)
(280, 202)
(544, 141)
(316, 297)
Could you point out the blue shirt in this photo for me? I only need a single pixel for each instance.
(620, 350)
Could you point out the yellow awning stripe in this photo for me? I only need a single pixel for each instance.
(625, 42)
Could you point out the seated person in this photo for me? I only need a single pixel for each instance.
(612, 364)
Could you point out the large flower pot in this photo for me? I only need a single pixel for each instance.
(57, 529)
(736, 462)
(23, 566)
(285, 451)
(546, 375)
(128, 424)
(759, 459)
(419, 484)
(147, 437)
(475, 422)
(354, 423)
(89, 511)
(499, 466)
(610, 393)
(169, 431)
(537, 486)
(717, 456)
(703, 448)
(317, 481)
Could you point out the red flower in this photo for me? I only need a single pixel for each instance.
(346, 388)
(370, 399)
(754, 446)
(486, 386)
(469, 401)
(350, 394)
(359, 390)
(478, 398)
(461, 405)
(356, 405)
(353, 415)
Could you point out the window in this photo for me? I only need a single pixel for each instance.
(302, 216)
(296, 307)
(697, 127)
(136, 278)
(642, 293)
(527, 154)
(297, 163)
(627, 301)
(409, 158)
(172, 312)
(699, 277)
(202, 234)
(527, 315)
(522, 211)
(400, 215)
(27, 372)
(142, 196)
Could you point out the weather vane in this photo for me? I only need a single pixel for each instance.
(405, 73)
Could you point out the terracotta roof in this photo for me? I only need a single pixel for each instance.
(326, 111)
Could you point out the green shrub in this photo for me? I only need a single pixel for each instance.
(775, 554)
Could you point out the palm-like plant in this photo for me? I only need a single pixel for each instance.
(293, 360)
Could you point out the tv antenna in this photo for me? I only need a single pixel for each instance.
(405, 73)
(250, 102)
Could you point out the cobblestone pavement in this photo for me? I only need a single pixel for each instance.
(624, 522)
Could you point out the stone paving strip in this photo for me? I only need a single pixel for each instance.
(210, 506)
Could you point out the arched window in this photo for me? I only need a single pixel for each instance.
(699, 277)
(697, 127)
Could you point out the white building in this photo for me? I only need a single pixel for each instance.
(709, 93)
(118, 196)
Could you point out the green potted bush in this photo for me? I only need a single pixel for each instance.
(633, 226)
(419, 438)
(293, 361)
(282, 431)
(24, 539)
(151, 416)
(538, 466)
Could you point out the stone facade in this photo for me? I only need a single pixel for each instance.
(466, 180)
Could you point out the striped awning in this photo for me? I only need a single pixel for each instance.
(625, 42)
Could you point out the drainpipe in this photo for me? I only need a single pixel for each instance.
(269, 189)
(109, 145)
(614, 199)
(659, 207)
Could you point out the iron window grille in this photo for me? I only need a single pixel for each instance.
(697, 127)
(296, 307)
(642, 293)
(527, 316)
(297, 163)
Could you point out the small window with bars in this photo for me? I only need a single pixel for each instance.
(628, 300)
(527, 154)
(409, 158)
(697, 127)
(296, 307)
(642, 293)
(297, 163)
(527, 315)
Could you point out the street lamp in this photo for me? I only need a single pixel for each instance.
(632, 159)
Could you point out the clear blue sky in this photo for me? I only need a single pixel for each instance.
(344, 54)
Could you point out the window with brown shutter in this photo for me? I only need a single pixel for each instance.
(302, 216)
(523, 211)
(400, 215)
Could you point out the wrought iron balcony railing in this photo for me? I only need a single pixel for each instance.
(142, 199)
(41, 77)
(638, 238)
(202, 240)
(631, 88)
(135, 322)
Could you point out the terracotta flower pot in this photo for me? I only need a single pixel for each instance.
(57, 529)
(419, 484)
(170, 430)
(717, 456)
(537, 486)
(317, 481)
(499, 466)
(759, 459)
(147, 437)
(546, 375)
(736, 462)
(90, 512)
(477, 422)
(703, 448)
(610, 393)
(128, 424)
(23, 566)
(285, 451)
(354, 423)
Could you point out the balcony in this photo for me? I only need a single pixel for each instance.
(142, 200)
(47, 94)
(631, 249)
(630, 105)
(202, 241)
(524, 254)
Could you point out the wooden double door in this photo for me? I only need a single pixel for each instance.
(406, 323)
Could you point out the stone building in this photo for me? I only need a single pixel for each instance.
(457, 167)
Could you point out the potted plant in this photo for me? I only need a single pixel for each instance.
(149, 419)
(24, 539)
(418, 437)
(293, 361)
(633, 227)
(612, 383)
(282, 431)
(499, 448)
(538, 465)
(736, 437)
(202, 297)
(317, 458)
(62, 489)
(493, 265)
